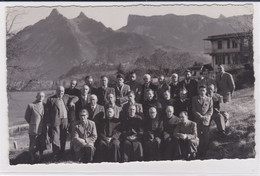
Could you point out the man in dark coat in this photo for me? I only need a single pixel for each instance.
(189, 84)
(72, 90)
(175, 86)
(170, 122)
(153, 127)
(59, 119)
(135, 86)
(121, 91)
(162, 87)
(90, 82)
(151, 101)
(133, 136)
(103, 91)
(108, 147)
(147, 85)
(183, 103)
(84, 99)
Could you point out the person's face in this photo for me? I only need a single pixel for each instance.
(183, 118)
(120, 81)
(104, 81)
(166, 95)
(183, 95)
(161, 79)
(60, 91)
(211, 90)
(220, 69)
(188, 75)
(146, 79)
(131, 97)
(133, 77)
(132, 111)
(111, 98)
(152, 113)
(40, 97)
(84, 117)
(110, 113)
(203, 91)
(174, 78)
(93, 100)
(169, 112)
(149, 95)
(85, 90)
(89, 81)
(73, 84)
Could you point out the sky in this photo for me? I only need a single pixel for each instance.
(115, 17)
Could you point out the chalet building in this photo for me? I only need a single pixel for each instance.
(230, 49)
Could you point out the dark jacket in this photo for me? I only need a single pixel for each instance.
(102, 94)
(191, 87)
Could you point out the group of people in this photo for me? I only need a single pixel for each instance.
(130, 121)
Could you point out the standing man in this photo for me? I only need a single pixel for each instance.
(189, 84)
(90, 82)
(72, 90)
(84, 99)
(135, 86)
(162, 87)
(183, 103)
(225, 84)
(85, 135)
(57, 113)
(34, 115)
(103, 91)
(146, 86)
(121, 90)
(175, 86)
(202, 109)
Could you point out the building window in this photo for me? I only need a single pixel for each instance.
(219, 44)
(229, 60)
(228, 43)
(234, 44)
(245, 42)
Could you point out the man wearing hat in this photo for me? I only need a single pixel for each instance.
(189, 84)
(121, 90)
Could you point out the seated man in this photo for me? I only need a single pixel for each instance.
(109, 145)
(132, 146)
(85, 135)
(112, 104)
(186, 133)
(153, 127)
(169, 124)
(34, 115)
(217, 116)
(151, 101)
(183, 103)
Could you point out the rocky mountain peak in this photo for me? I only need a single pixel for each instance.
(82, 15)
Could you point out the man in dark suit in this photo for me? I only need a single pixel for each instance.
(147, 85)
(72, 90)
(183, 103)
(90, 82)
(34, 116)
(189, 84)
(186, 133)
(108, 147)
(58, 118)
(225, 84)
(111, 104)
(85, 135)
(175, 86)
(103, 91)
(162, 87)
(133, 134)
(84, 100)
(96, 111)
(121, 91)
(135, 86)
(202, 109)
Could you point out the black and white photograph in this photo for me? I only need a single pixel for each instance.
(130, 83)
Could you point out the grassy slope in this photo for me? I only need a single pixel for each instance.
(239, 144)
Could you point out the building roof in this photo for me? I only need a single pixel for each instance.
(230, 35)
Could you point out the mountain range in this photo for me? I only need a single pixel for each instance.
(56, 44)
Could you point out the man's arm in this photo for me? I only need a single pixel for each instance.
(194, 109)
(28, 114)
(194, 132)
(77, 139)
(209, 113)
(93, 137)
(231, 83)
